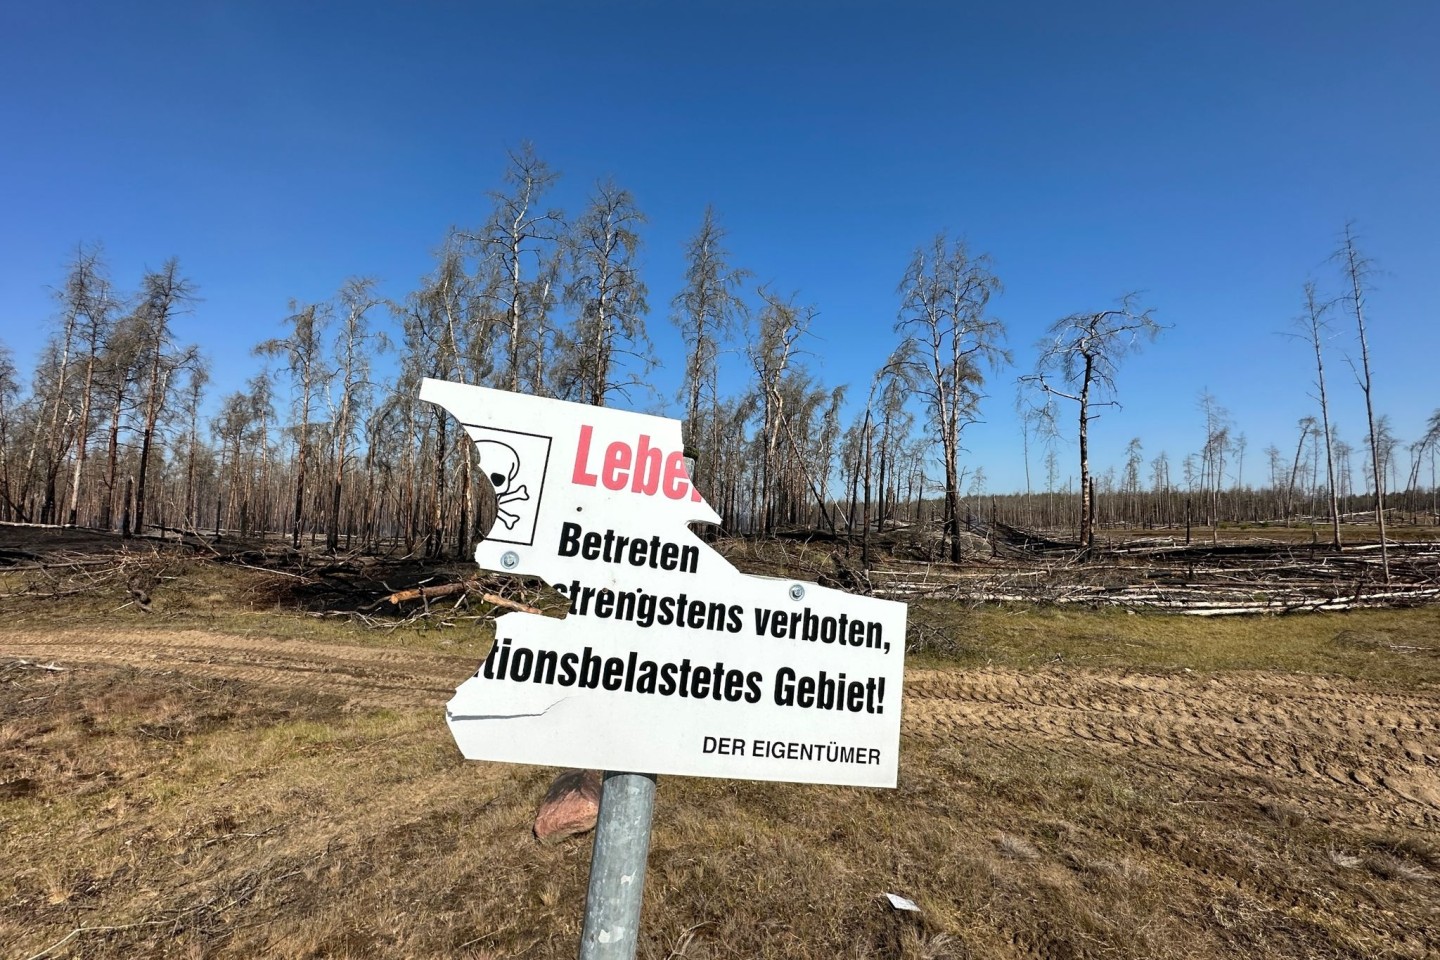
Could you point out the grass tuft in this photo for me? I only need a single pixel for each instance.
(1346, 861)
(1390, 868)
(1014, 848)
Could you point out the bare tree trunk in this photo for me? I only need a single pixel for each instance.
(865, 516)
(82, 442)
(1295, 469)
(112, 463)
(303, 443)
(462, 530)
(332, 525)
(264, 511)
(1087, 489)
(407, 507)
(153, 404)
(1355, 270)
(436, 540)
(125, 508)
(952, 506)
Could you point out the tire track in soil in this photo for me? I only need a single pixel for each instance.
(362, 676)
(1339, 749)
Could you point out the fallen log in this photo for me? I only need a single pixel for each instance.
(450, 589)
(51, 667)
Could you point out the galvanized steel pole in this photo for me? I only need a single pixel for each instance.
(617, 867)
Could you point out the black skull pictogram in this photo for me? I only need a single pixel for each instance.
(502, 465)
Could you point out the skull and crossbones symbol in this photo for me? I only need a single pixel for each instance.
(501, 463)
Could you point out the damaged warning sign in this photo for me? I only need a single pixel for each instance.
(668, 659)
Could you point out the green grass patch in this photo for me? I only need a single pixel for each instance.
(1397, 647)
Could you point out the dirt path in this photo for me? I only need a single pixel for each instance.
(365, 676)
(1340, 750)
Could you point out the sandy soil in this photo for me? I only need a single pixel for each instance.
(1338, 750)
(364, 676)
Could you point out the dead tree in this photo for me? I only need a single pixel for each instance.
(1315, 330)
(194, 396)
(163, 294)
(609, 298)
(120, 371)
(303, 355)
(781, 324)
(707, 310)
(1078, 361)
(88, 290)
(944, 303)
(1307, 431)
(516, 232)
(355, 344)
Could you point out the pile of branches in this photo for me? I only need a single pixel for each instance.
(377, 590)
(1199, 581)
(130, 575)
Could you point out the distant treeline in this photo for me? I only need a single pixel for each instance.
(115, 429)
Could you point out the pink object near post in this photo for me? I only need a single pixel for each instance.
(570, 807)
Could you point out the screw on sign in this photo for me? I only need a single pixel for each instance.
(667, 659)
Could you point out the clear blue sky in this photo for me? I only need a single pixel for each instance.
(1207, 155)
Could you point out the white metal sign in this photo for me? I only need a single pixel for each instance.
(669, 659)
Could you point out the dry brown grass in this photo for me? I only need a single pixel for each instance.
(218, 783)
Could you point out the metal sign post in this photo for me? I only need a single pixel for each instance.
(617, 867)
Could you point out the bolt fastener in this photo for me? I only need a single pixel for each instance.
(797, 592)
(510, 560)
